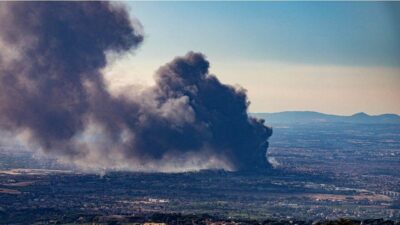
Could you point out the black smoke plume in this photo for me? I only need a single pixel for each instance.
(53, 95)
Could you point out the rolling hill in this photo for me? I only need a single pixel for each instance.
(289, 117)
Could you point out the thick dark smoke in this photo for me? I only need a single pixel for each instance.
(53, 95)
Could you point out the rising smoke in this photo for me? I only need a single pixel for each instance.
(53, 96)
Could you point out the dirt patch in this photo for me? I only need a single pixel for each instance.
(9, 191)
(19, 184)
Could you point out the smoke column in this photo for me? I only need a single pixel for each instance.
(53, 95)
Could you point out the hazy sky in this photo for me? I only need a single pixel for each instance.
(332, 57)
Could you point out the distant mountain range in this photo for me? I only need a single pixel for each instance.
(290, 117)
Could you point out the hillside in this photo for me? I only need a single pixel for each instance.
(290, 117)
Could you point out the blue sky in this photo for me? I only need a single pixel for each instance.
(335, 57)
(365, 33)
